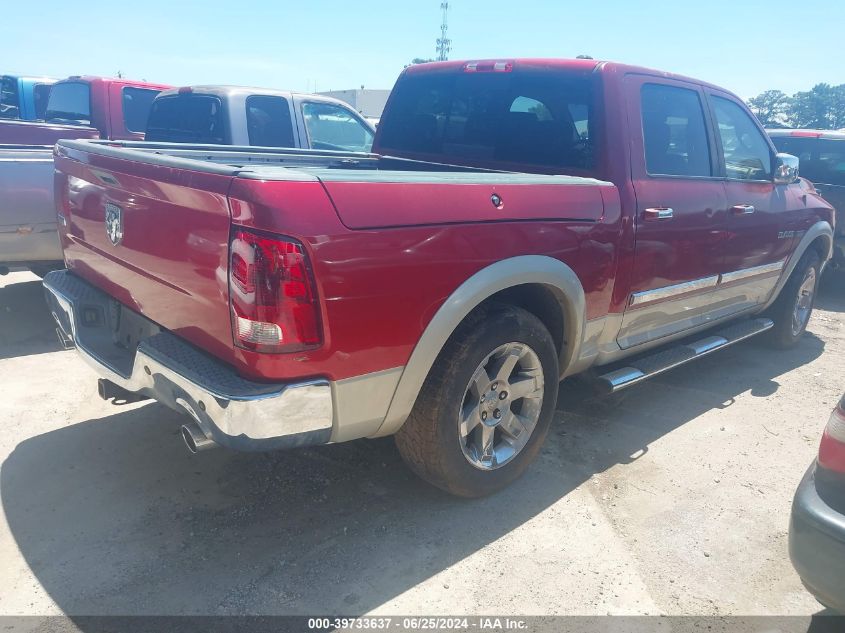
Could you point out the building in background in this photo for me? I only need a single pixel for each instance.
(369, 103)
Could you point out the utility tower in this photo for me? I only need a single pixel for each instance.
(444, 44)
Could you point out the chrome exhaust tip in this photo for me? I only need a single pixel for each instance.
(195, 439)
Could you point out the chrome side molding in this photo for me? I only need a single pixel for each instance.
(668, 292)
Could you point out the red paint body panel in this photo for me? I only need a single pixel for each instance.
(173, 261)
(41, 133)
(416, 204)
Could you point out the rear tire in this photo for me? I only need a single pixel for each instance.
(792, 309)
(486, 406)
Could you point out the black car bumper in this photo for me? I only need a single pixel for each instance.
(817, 544)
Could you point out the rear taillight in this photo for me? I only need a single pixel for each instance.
(832, 448)
(274, 303)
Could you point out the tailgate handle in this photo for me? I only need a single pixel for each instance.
(743, 209)
(659, 213)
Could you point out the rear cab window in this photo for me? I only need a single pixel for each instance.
(269, 122)
(333, 127)
(496, 119)
(136, 107)
(674, 132)
(9, 98)
(187, 118)
(69, 102)
(41, 94)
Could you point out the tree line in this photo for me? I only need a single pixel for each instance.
(822, 107)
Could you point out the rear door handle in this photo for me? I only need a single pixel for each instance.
(659, 213)
(743, 209)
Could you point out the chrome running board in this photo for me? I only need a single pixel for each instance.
(644, 367)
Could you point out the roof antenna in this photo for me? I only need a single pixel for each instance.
(444, 44)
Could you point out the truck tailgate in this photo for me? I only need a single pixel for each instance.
(154, 237)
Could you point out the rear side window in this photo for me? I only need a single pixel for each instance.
(268, 121)
(187, 118)
(822, 160)
(41, 94)
(136, 107)
(9, 100)
(334, 127)
(745, 150)
(494, 117)
(69, 103)
(674, 132)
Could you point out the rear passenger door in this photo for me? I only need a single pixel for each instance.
(757, 237)
(680, 211)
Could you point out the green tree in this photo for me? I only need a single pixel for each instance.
(419, 60)
(821, 107)
(772, 107)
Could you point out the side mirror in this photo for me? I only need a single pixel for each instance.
(786, 169)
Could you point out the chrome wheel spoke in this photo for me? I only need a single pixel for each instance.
(485, 444)
(504, 367)
(470, 418)
(513, 425)
(526, 387)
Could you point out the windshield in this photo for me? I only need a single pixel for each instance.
(331, 126)
(493, 117)
(69, 103)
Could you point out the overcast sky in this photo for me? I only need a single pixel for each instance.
(745, 46)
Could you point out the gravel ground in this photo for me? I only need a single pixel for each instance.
(672, 497)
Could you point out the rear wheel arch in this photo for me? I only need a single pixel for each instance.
(532, 282)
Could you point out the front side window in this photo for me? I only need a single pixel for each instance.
(186, 118)
(330, 126)
(674, 132)
(69, 103)
(9, 100)
(495, 118)
(136, 107)
(744, 148)
(41, 94)
(268, 121)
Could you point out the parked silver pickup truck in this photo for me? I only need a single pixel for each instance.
(27, 214)
(233, 115)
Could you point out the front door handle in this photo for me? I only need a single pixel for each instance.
(743, 209)
(659, 213)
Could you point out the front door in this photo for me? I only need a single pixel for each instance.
(758, 237)
(681, 209)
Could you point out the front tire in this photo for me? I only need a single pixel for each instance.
(792, 309)
(486, 406)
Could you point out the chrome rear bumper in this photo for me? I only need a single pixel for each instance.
(231, 410)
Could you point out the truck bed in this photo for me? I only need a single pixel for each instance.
(374, 228)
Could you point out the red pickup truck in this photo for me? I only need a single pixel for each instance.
(87, 107)
(519, 221)
(78, 107)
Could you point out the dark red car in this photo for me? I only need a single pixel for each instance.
(817, 528)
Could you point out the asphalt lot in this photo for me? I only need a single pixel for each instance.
(672, 497)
